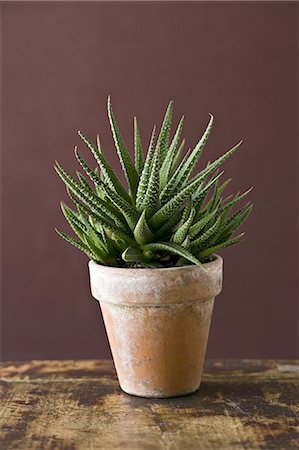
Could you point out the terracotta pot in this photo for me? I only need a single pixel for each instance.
(157, 321)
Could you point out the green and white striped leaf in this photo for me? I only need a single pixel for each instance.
(146, 171)
(84, 182)
(191, 162)
(211, 250)
(78, 245)
(169, 158)
(201, 240)
(176, 249)
(177, 157)
(92, 236)
(75, 223)
(139, 157)
(237, 198)
(176, 202)
(150, 202)
(107, 173)
(233, 222)
(168, 191)
(132, 254)
(186, 242)
(163, 138)
(166, 230)
(211, 167)
(96, 204)
(199, 225)
(124, 207)
(181, 233)
(103, 220)
(142, 232)
(99, 190)
(124, 156)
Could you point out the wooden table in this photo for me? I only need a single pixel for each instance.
(79, 405)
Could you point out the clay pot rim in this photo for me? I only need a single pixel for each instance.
(209, 265)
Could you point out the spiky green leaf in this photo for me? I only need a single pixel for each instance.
(177, 157)
(124, 156)
(84, 182)
(124, 207)
(176, 249)
(78, 245)
(175, 203)
(233, 222)
(201, 240)
(211, 250)
(95, 203)
(151, 199)
(145, 175)
(75, 223)
(165, 170)
(196, 228)
(142, 232)
(237, 198)
(132, 254)
(163, 138)
(181, 233)
(108, 174)
(192, 160)
(139, 157)
(104, 221)
(168, 191)
(168, 228)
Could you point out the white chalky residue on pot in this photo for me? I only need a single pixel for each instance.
(159, 285)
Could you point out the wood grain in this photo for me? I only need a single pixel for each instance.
(79, 405)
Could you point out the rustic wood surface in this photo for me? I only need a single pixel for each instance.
(79, 405)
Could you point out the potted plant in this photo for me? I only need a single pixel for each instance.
(152, 250)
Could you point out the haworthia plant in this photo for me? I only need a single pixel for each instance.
(165, 216)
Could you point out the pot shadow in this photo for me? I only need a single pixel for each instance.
(208, 390)
(245, 399)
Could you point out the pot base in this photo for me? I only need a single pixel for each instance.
(159, 395)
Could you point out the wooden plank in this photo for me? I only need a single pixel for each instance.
(78, 405)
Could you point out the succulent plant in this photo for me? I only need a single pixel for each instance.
(167, 216)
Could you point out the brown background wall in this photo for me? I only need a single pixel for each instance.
(60, 61)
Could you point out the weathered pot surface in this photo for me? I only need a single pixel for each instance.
(157, 322)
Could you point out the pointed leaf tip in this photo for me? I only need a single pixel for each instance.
(142, 232)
